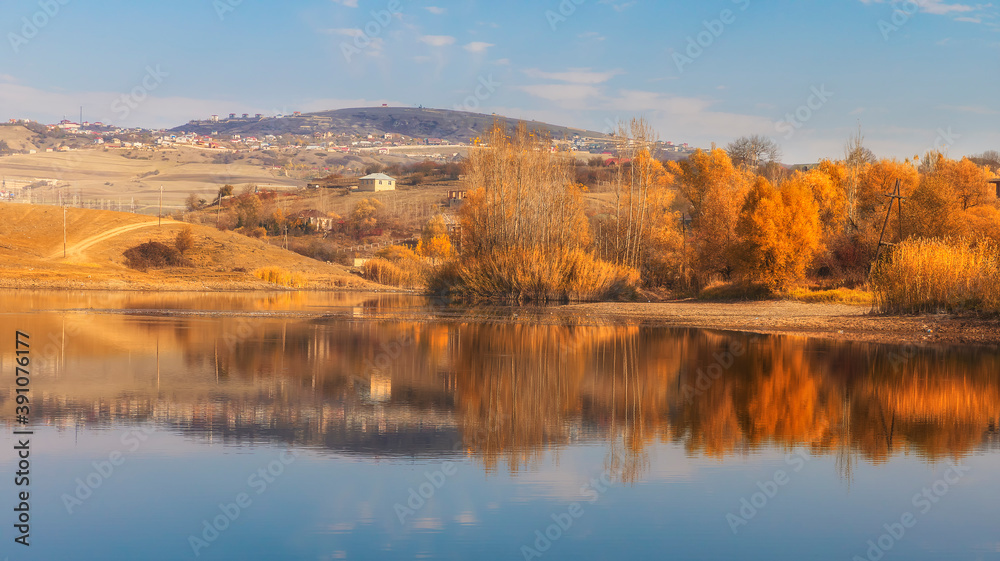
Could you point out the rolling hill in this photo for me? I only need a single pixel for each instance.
(455, 126)
(31, 254)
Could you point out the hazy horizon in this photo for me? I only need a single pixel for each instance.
(803, 74)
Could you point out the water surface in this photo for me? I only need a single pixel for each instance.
(360, 426)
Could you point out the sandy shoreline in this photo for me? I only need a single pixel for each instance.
(822, 320)
(833, 321)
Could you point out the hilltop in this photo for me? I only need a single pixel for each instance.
(454, 126)
(31, 254)
(17, 138)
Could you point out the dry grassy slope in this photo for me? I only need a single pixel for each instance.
(31, 254)
(18, 138)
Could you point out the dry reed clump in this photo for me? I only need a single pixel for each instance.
(939, 275)
(396, 266)
(537, 276)
(280, 277)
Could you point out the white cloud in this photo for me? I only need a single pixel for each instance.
(435, 10)
(374, 44)
(478, 47)
(691, 118)
(575, 75)
(345, 31)
(438, 40)
(562, 92)
(347, 3)
(938, 7)
(973, 109)
(618, 7)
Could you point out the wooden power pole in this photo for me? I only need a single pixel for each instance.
(159, 213)
(897, 195)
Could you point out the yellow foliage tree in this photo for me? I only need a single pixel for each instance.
(716, 190)
(435, 242)
(827, 183)
(780, 233)
(953, 200)
(364, 217)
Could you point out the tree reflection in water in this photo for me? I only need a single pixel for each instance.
(507, 392)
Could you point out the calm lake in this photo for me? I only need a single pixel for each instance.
(360, 426)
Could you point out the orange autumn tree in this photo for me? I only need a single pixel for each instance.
(526, 234)
(434, 242)
(828, 185)
(716, 190)
(954, 199)
(780, 233)
(876, 182)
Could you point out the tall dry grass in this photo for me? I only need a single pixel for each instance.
(537, 276)
(396, 266)
(280, 277)
(939, 275)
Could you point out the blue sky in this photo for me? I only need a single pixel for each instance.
(914, 75)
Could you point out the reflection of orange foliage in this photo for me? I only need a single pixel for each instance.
(515, 389)
(790, 402)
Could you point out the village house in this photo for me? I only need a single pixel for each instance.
(456, 198)
(316, 219)
(376, 182)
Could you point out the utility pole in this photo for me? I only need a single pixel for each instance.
(64, 232)
(896, 195)
(159, 213)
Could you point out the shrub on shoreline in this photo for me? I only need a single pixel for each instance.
(153, 255)
(396, 266)
(537, 276)
(920, 276)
